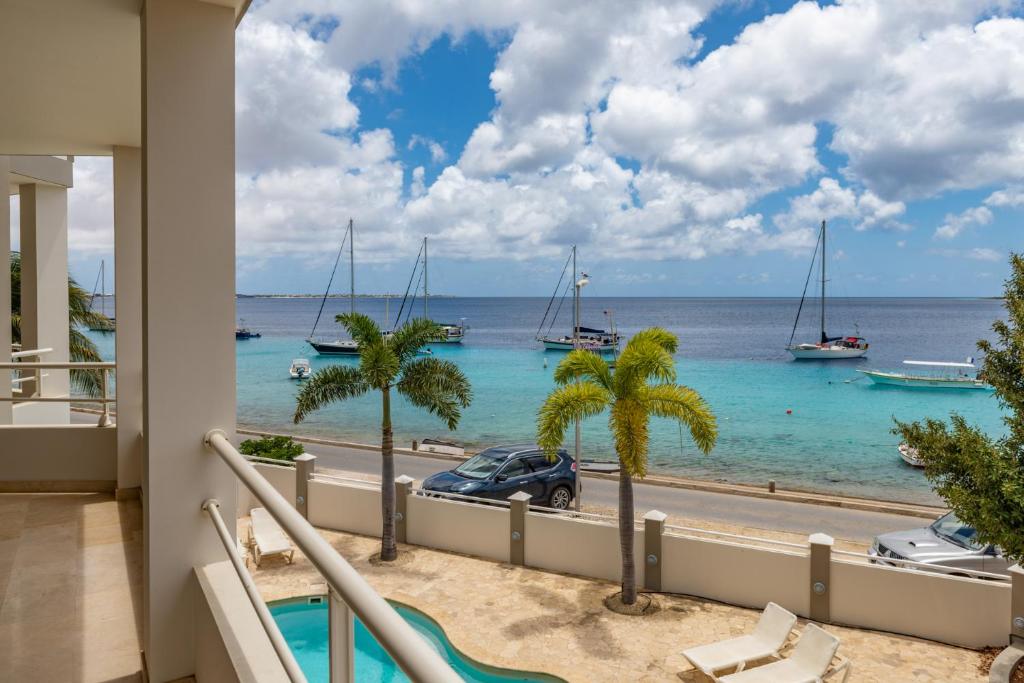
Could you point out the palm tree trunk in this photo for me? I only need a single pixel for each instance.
(626, 535)
(388, 549)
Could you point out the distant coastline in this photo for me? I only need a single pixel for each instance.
(335, 296)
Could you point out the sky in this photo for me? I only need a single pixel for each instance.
(688, 147)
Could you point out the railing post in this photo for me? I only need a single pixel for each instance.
(305, 468)
(821, 575)
(105, 415)
(403, 489)
(519, 503)
(1017, 605)
(341, 631)
(654, 527)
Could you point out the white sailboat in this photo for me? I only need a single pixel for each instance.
(586, 338)
(104, 324)
(338, 347)
(826, 348)
(926, 374)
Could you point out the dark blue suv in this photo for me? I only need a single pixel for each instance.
(499, 472)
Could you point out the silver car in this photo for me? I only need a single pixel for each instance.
(948, 543)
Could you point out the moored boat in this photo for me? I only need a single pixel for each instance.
(910, 455)
(826, 348)
(931, 375)
(585, 338)
(102, 323)
(300, 369)
(338, 347)
(243, 332)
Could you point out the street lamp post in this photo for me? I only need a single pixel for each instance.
(580, 284)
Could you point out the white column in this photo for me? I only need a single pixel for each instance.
(188, 304)
(44, 285)
(128, 312)
(5, 287)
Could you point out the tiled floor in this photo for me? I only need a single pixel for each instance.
(70, 588)
(528, 619)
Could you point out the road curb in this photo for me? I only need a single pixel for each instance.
(850, 503)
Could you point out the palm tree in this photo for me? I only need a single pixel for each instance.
(80, 315)
(386, 363)
(640, 385)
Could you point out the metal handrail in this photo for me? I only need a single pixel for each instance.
(413, 655)
(70, 365)
(28, 353)
(741, 537)
(461, 498)
(284, 653)
(102, 399)
(913, 564)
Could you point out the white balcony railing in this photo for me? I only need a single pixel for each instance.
(420, 662)
(20, 396)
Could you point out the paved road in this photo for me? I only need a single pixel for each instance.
(852, 525)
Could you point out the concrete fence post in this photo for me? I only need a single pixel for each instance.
(305, 468)
(403, 489)
(821, 577)
(519, 503)
(341, 640)
(654, 527)
(1017, 605)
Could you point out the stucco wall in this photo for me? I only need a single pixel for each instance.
(949, 609)
(345, 507)
(576, 546)
(280, 477)
(460, 527)
(65, 453)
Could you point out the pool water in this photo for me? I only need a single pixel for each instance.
(304, 626)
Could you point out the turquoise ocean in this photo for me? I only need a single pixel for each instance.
(836, 439)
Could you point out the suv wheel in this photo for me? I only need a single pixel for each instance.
(560, 498)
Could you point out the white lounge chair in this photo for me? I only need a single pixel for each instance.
(766, 641)
(810, 662)
(267, 538)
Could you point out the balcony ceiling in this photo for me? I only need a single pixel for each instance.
(69, 75)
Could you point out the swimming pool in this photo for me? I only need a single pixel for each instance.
(303, 622)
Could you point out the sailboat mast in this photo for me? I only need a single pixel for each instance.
(824, 257)
(103, 288)
(426, 294)
(576, 302)
(351, 267)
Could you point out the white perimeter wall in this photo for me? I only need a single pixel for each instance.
(466, 528)
(345, 507)
(582, 547)
(280, 477)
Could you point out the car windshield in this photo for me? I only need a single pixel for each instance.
(953, 530)
(481, 465)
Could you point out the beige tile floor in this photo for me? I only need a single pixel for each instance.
(531, 620)
(70, 588)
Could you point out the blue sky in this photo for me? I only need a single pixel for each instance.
(692, 152)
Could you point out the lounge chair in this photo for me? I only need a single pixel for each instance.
(766, 641)
(810, 662)
(267, 538)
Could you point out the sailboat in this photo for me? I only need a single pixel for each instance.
(450, 333)
(338, 347)
(827, 348)
(104, 324)
(588, 338)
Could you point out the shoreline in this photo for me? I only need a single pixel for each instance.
(790, 495)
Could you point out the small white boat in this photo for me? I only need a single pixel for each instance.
(931, 375)
(300, 369)
(910, 456)
(441, 446)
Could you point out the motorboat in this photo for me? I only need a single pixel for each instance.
(826, 348)
(931, 375)
(300, 369)
(243, 332)
(910, 456)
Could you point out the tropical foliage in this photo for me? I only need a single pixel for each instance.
(641, 385)
(386, 363)
(272, 447)
(80, 316)
(980, 478)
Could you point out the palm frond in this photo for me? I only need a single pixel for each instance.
(642, 360)
(564, 406)
(579, 364)
(361, 328)
(658, 336)
(630, 431)
(437, 385)
(378, 364)
(81, 349)
(412, 336)
(685, 405)
(332, 384)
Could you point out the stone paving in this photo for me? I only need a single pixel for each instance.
(526, 619)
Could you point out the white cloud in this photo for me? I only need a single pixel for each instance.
(831, 201)
(954, 224)
(437, 153)
(975, 254)
(1009, 197)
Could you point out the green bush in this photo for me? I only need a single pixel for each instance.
(272, 447)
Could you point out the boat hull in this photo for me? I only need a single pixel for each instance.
(913, 382)
(812, 352)
(555, 345)
(335, 348)
(909, 455)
